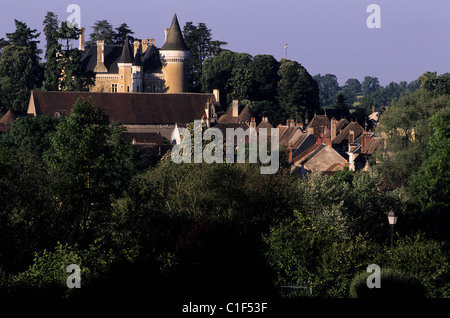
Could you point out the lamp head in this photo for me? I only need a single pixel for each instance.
(392, 217)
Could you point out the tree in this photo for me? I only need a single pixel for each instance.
(405, 124)
(67, 33)
(17, 78)
(121, 34)
(370, 85)
(30, 135)
(430, 186)
(73, 78)
(101, 30)
(199, 40)
(328, 88)
(84, 161)
(229, 73)
(351, 89)
(20, 70)
(265, 78)
(52, 71)
(341, 102)
(63, 70)
(298, 92)
(51, 31)
(24, 36)
(439, 85)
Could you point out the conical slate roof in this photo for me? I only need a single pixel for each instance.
(137, 58)
(126, 56)
(175, 41)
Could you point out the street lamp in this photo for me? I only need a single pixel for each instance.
(392, 218)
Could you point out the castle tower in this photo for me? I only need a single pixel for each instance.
(137, 69)
(125, 68)
(175, 56)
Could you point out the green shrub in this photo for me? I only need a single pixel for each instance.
(393, 284)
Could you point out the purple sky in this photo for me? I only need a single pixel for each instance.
(325, 36)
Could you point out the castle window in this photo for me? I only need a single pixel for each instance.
(137, 89)
(114, 88)
(128, 89)
(154, 88)
(121, 75)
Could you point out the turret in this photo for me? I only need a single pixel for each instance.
(125, 68)
(175, 56)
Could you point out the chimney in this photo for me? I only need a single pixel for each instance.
(252, 123)
(365, 139)
(265, 118)
(321, 138)
(151, 41)
(81, 40)
(144, 43)
(290, 152)
(235, 108)
(136, 47)
(333, 128)
(100, 67)
(300, 125)
(216, 94)
(373, 109)
(166, 34)
(290, 123)
(351, 136)
(351, 161)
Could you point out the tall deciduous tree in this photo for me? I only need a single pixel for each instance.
(351, 89)
(370, 85)
(84, 161)
(298, 92)
(328, 88)
(430, 186)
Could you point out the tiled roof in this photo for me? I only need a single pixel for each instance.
(319, 121)
(373, 144)
(245, 115)
(343, 135)
(323, 159)
(264, 124)
(127, 108)
(8, 117)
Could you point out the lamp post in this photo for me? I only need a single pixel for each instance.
(392, 218)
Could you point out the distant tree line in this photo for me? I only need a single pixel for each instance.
(364, 95)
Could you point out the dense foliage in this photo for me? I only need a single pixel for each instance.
(75, 195)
